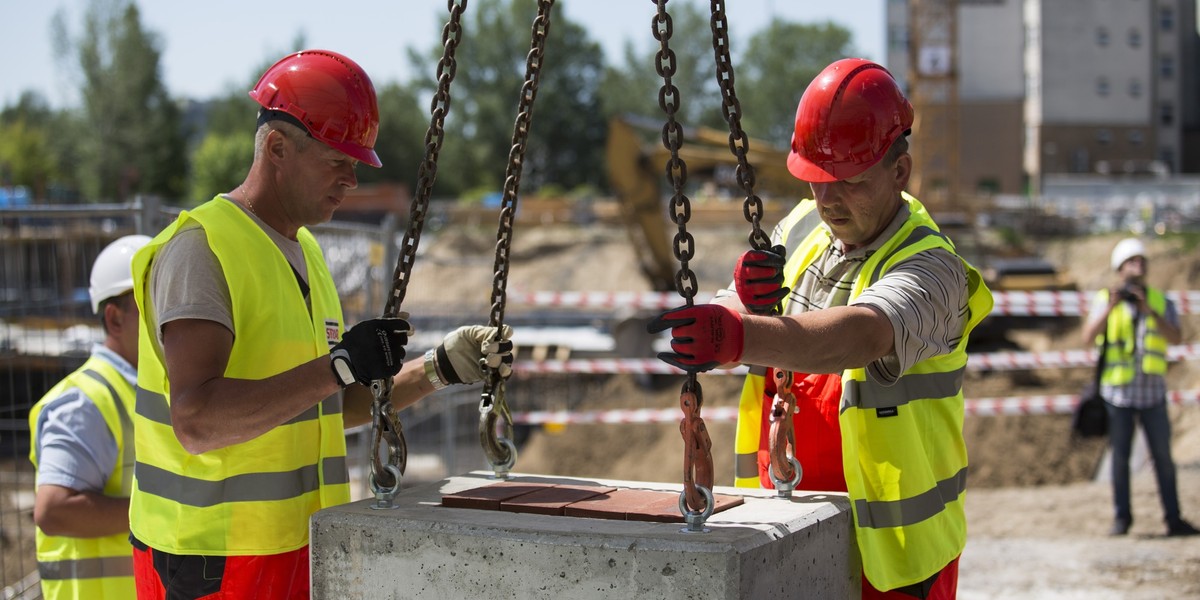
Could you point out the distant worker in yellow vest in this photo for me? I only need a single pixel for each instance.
(874, 311)
(83, 449)
(1133, 323)
(247, 379)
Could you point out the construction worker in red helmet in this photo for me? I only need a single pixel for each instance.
(248, 377)
(869, 308)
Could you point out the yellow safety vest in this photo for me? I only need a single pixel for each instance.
(99, 568)
(906, 479)
(1119, 367)
(256, 497)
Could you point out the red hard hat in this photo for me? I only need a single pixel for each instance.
(330, 95)
(846, 121)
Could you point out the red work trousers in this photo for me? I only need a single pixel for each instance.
(163, 576)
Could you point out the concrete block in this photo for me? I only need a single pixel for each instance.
(766, 548)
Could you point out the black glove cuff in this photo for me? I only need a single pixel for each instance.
(449, 375)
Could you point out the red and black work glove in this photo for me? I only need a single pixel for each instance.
(758, 278)
(371, 350)
(702, 336)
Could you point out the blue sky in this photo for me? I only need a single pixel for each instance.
(212, 46)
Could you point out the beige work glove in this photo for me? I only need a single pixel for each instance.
(464, 352)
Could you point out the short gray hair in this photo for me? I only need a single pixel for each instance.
(292, 132)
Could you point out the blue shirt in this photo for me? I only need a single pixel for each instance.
(75, 448)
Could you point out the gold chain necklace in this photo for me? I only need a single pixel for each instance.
(249, 202)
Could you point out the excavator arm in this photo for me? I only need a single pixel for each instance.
(636, 162)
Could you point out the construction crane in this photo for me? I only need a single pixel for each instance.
(933, 91)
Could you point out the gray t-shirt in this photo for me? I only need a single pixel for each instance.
(924, 296)
(187, 282)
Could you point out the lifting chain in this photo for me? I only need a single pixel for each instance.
(696, 500)
(498, 447)
(783, 443)
(784, 469)
(739, 143)
(385, 478)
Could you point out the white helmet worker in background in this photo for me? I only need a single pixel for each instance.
(1131, 325)
(112, 274)
(1125, 250)
(82, 447)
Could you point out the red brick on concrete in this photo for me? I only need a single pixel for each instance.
(489, 497)
(596, 502)
(552, 500)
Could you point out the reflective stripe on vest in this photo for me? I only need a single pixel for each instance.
(87, 568)
(868, 394)
(101, 567)
(255, 497)
(1119, 356)
(914, 509)
(155, 408)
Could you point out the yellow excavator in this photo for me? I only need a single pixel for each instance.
(636, 160)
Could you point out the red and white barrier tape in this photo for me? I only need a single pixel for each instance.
(1019, 304)
(992, 361)
(983, 407)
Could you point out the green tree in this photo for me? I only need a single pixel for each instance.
(566, 136)
(219, 164)
(131, 140)
(26, 155)
(633, 87)
(777, 66)
(403, 121)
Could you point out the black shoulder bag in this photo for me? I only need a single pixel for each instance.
(1091, 417)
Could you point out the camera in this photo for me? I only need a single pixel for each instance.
(1130, 292)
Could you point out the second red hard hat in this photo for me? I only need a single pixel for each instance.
(847, 119)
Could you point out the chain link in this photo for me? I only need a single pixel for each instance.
(697, 451)
(739, 143)
(385, 425)
(493, 408)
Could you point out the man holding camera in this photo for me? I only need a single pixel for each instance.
(1132, 324)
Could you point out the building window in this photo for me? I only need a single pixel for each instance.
(1102, 86)
(1167, 156)
(1079, 161)
(1135, 88)
(1135, 137)
(1135, 38)
(1103, 137)
(1166, 66)
(1102, 36)
(1166, 114)
(1166, 18)
(988, 185)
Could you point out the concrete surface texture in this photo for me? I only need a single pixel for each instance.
(766, 548)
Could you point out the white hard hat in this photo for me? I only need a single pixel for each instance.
(1125, 250)
(112, 273)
